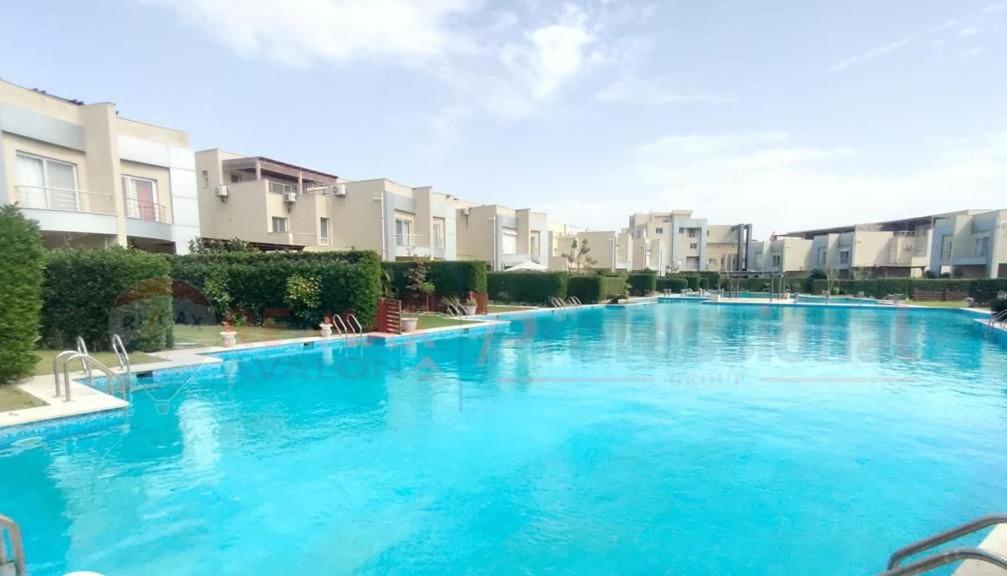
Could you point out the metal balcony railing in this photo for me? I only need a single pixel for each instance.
(146, 210)
(64, 199)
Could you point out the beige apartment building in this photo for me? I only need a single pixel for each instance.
(676, 241)
(277, 205)
(610, 250)
(502, 236)
(970, 244)
(894, 248)
(91, 177)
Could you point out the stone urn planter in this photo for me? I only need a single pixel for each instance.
(228, 338)
(409, 324)
(326, 330)
(470, 310)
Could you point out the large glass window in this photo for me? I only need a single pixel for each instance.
(403, 232)
(279, 224)
(844, 257)
(324, 226)
(983, 246)
(946, 247)
(508, 244)
(46, 183)
(141, 199)
(438, 230)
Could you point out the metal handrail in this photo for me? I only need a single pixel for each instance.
(121, 354)
(340, 325)
(944, 537)
(16, 557)
(61, 359)
(947, 557)
(124, 381)
(354, 322)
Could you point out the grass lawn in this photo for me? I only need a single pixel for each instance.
(13, 399)
(938, 304)
(44, 364)
(197, 336)
(496, 308)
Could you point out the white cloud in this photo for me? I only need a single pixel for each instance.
(876, 52)
(968, 31)
(550, 54)
(310, 31)
(634, 90)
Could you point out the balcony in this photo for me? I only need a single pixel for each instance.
(64, 200)
(417, 246)
(147, 210)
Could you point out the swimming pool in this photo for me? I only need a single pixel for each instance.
(651, 439)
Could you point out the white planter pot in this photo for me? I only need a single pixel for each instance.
(409, 324)
(326, 330)
(470, 310)
(229, 339)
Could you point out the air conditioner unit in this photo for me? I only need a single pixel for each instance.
(290, 197)
(222, 192)
(339, 190)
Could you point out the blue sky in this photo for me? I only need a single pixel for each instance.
(786, 114)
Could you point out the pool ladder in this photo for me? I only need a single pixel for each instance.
(347, 325)
(998, 318)
(117, 382)
(12, 561)
(945, 557)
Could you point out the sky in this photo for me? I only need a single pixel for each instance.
(787, 114)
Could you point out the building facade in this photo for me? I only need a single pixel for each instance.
(502, 236)
(971, 244)
(676, 241)
(90, 177)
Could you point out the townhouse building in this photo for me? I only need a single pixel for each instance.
(610, 250)
(503, 237)
(91, 177)
(676, 241)
(970, 244)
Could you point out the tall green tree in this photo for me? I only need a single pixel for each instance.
(22, 262)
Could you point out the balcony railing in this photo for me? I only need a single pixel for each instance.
(65, 199)
(146, 210)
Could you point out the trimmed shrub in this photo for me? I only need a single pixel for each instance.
(672, 283)
(527, 287)
(449, 278)
(591, 288)
(94, 293)
(983, 291)
(255, 285)
(22, 260)
(998, 305)
(642, 283)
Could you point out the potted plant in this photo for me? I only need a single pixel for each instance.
(326, 326)
(409, 324)
(470, 306)
(228, 336)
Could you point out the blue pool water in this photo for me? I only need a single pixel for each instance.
(689, 440)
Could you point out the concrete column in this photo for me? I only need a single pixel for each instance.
(102, 153)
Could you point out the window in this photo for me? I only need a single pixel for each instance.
(946, 247)
(206, 179)
(403, 232)
(235, 178)
(693, 245)
(438, 230)
(777, 260)
(536, 243)
(713, 262)
(140, 195)
(280, 187)
(508, 243)
(324, 227)
(844, 257)
(46, 183)
(659, 230)
(983, 246)
(279, 224)
(681, 230)
(822, 257)
(693, 232)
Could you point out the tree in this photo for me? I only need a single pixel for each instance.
(211, 246)
(22, 260)
(580, 255)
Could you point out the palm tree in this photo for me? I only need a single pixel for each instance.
(580, 255)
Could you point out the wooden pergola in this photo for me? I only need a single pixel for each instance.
(260, 165)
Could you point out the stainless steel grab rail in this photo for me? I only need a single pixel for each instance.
(340, 325)
(121, 354)
(354, 323)
(59, 361)
(947, 557)
(943, 538)
(124, 381)
(15, 556)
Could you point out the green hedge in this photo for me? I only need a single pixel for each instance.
(22, 260)
(527, 287)
(250, 284)
(642, 283)
(983, 291)
(592, 288)
(998, 305)
(456, 278)
(672, 283)
(94, 293)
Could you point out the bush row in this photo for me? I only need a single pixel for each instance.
(95, 293)
(983, 291)
(22, 260)
(456, 278)
(258, 285)
(591, 289)
(642, 283)
(527, 287)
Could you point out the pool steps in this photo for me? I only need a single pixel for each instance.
(987, 559)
